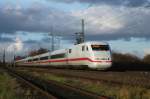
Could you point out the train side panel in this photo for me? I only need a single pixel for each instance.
(79, 55)
(95, 55)
(58, 58)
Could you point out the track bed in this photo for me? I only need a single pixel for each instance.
(54, 89)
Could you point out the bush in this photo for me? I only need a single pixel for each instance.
(129, 62)
(125, 58)
(146, 59)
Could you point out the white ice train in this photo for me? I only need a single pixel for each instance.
(94, 55)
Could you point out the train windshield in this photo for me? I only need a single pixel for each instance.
(100, 47)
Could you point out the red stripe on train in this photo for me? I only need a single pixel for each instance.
(73, 59)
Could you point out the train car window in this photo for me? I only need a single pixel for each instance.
(62, 55)
(44, 58)
(69, 50)
(100, 47)
(35, 59)
(29, 60)
(83, 48)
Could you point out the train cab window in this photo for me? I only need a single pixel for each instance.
(69, 50)
(83, 47)
(100, 47)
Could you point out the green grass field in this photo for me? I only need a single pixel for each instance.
(10, 88)
(7, 87)
(112, 90)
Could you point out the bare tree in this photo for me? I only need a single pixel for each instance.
(146, 59)
(37, 52)
(119, 57)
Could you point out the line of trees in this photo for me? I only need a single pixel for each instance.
(129, 58)
(130, 62)
(37, 52)
(146, 59)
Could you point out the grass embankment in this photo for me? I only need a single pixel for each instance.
(7, 87)
(10, 88)
(108, 89)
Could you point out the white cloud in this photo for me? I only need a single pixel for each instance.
(100, 18)
(107, 21)
(146, 51)
(116, 22)
(17, 46)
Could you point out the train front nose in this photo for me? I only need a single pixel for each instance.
(100, 65)
(103, 65)
(103, 61)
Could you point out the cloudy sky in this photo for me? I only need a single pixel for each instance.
(25, 24)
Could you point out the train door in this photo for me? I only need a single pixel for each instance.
(72, 56)
(69, 51)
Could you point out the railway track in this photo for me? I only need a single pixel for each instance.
(53, 89)
(121, 78)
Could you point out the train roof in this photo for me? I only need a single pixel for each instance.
(21, 60)
(44, 54)
(58, 51)
(37, 56)
(95, 42)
